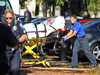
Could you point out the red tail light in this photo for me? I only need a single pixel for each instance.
(62, 29)
(59, 30)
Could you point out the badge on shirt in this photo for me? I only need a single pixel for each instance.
(15, 28)
(67, 28)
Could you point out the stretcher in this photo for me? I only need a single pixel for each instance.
(36, 38)
(32, 43)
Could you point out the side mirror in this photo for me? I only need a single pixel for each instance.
(27, 17)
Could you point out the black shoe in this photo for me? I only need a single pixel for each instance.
(72, 66)
(96, 65)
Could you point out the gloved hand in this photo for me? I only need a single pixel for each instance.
(64, 39)
(62, 42)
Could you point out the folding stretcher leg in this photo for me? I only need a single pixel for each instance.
(37, 41)
(30, 51)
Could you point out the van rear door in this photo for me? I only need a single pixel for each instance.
(4, 4)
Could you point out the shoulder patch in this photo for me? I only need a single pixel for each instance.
(24, 31)
(68, 18)
(21, 25)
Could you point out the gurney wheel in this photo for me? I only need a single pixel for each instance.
(48, 64)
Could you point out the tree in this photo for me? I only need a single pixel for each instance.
(79, 8)
(47, 3)
(22, 3)
(57, 2)
(94, 6)
(61, 2)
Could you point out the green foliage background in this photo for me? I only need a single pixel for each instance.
(94, 6)
(50, 2)
(77, 7)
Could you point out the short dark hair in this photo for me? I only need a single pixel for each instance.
(74, 16)
(68, 12)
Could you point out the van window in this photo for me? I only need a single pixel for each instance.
(4, 4)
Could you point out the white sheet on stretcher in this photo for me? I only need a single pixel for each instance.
(58, 24)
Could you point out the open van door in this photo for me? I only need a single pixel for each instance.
(5, 4)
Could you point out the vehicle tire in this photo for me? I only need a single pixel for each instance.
(95, 49)
(41, 50)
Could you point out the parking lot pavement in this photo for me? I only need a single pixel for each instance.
(57, 68)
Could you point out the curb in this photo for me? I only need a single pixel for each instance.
(60, 68)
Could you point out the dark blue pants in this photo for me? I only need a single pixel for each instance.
(65, 50)
(14, 62)
(82, 42)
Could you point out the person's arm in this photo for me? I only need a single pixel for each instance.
(2, 21)
(22, 38)
(77, 28)
(22, 33)
(73, 34)
(68, 34)
(12, 41)
(16, 46)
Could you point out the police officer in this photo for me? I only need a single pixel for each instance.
(20, 34)
(67, 20)
(81, 41)
(70, 41)
(6, 38)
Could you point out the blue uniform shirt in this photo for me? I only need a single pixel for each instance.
(78, 27)
(17, 29)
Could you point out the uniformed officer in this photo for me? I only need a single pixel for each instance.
(67, 20)
(6, 39)
(70, 41)
(20, 34)
(81, 41)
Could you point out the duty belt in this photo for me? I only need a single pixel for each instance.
(81, 37)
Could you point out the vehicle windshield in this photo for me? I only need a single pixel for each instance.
(4, 4)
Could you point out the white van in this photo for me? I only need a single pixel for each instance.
(5, 4)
